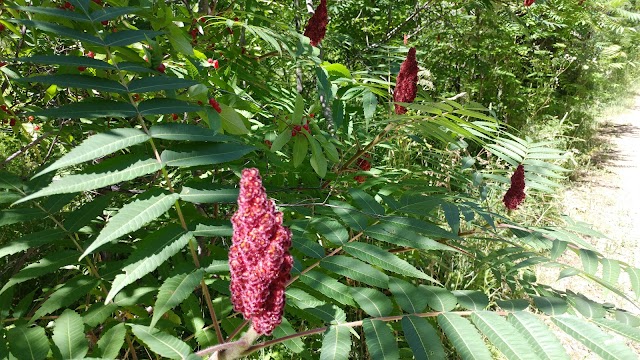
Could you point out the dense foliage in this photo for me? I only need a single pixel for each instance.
(127, 126)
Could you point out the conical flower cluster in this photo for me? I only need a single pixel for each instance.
(406, 82)
(515, 195)
(529, 2)
(317, 25)
(259, 257)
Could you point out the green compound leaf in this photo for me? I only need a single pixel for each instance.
(161, 343)
(31, 241)
(87, 213)
(300, 149)
(119, 169)
(601, 343)
(623, 329)
(423, 339)
(298, 110)
(318, 160)
(589, 261)
(109, 13)
(54, 12)
(158, 83)
(380, 340)
(610, 270)
(97, 146)
(366, 202)
(68, 336)
(28, 342)
(332, 230)
(161, 106)
(464, 337)
(205, 154)
(60, 30)
(90, 109)
(408, 297)
(296, 345)
(471, 299)
(503, 335)
(153, 251)
(174, 291)
(67, 61)
(550, 305)
(65, 295)
(41, 267)
(10, 181)
(438, 298)
(111, 342)
(372, 301)
(586, 307)
(98, 313)
(545, 344)
(328, 286)
(209, 193)
(336, 344)
(369, 103)
(281, 140)
(13, 216)
(351, 216)
(233, 122)
(377, 256)
(634, 278)
(400, 235)
(77, 81)
(132, 217)
(128, 37)
(356, 270)
(186, 132)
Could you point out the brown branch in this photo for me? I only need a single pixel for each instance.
(24, 149)
(393, 31)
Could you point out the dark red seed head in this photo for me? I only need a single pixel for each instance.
(317, 25)
(214, 104)
(515, 195)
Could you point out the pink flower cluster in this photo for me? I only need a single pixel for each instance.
(317, 25)
(259, 257)
(515, 195)
(406, 82)
(529, 2)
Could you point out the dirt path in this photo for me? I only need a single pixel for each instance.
(609, 199)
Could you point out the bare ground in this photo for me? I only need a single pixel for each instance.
(608, 197)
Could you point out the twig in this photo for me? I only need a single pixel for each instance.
(24, 148)
(393, 31)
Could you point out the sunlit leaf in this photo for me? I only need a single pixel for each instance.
(336, 344)
(162, 343)
(380, 340)
(423, 339)
(68, 336)
(132, 217)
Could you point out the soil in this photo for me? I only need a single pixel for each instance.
(607, 195)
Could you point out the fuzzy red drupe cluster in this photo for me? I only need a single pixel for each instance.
(317, 25)
(515, 195)
(259, 259)
(406, 82)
